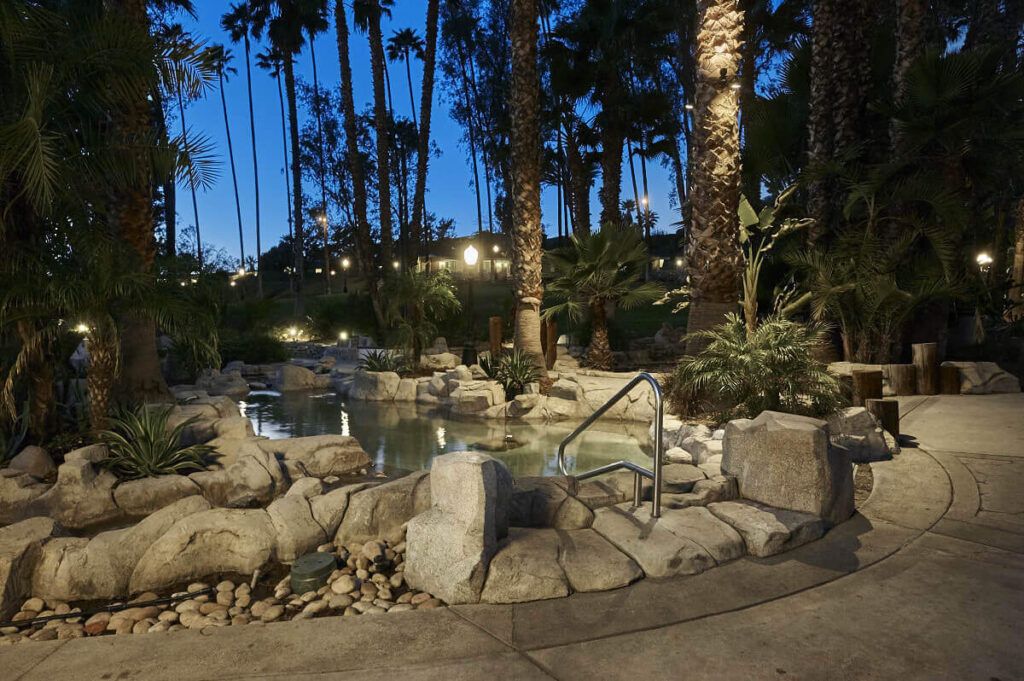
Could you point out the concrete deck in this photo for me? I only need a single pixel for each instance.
(926, 582)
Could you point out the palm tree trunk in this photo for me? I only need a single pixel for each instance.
(363, 243)
(322, 169)
(472, 140)
(632, 176)
(100, 377)
(611, 172)
(524, 101)
(599, 352)
(1017, 277)
(910, 42)
(581, 186)
(234, 175)
(408, 79)
(426, 105)
(256, 166)
(380, 120)
(713, 257)
(298, 241)
(646, 198)
(287, 165)
(140, 378)
(191, 178)
(167, 183)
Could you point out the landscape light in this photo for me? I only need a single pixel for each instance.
(345, 262)
(332, 273)
(241, 271)
(679, 262)
(396, 264)
(82, 328)
(984, 260)
(496, 248)
(232, 283)
(470, 255)
(343, 336)
(688, 106)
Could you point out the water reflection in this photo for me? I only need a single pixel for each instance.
(408, 436)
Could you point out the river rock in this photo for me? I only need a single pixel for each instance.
(209, 542)
(296, 531)
(291, 378)
(378, 511)
(229, 383)
(787, 461)
(449, 546)
(34, 461)
(20, 549)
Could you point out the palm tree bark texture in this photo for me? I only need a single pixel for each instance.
(840, 74)
(713, 257)
(423, 143)
(382, 125)
(526, 229)
(140, 378)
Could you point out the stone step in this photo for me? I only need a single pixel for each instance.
(767, 530)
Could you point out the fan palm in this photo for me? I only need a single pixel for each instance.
(415, 300)
(423, 146)
(595, 271)
(223, 59)
(404, 45)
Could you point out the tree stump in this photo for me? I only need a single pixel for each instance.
(926, 362)
(494, 332)
(867, 385)
(949, 380)
(551, 351)
(902, 378)
(888, 414)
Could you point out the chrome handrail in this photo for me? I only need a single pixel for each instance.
(638, 471)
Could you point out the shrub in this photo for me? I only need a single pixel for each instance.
(141, 445)
(514, 370)
(252, 348)
(383, 360)
(742, 374)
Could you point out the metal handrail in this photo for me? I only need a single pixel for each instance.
(638, 471)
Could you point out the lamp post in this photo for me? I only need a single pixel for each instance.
(345, 264)
(470, 256)
(984, 261)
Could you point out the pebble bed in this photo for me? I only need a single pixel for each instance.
(369, 581)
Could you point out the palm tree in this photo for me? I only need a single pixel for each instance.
(286, 23)
(239, 23)
(269, 60)
(426, 106)
(174, 35)
(368, 15)
(713, 257)
(322, 165)
(598, 270)
(526, 229)
(363, 243)
(404, 45)
(910, 44)
(223, 58)
(415, 302)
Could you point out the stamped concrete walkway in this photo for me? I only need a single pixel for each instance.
(926, 582)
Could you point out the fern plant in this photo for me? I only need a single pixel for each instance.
(742, 373)
(142, 445)
(383, 360)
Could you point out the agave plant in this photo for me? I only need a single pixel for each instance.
(743, 373)
(383, 360)
(514, 369)
(142, 445)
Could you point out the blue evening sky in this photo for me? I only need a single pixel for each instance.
(450, 180)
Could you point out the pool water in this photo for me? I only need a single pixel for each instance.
(408, 436)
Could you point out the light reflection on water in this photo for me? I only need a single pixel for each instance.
(407, 436)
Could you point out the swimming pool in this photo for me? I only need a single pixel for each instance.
(408, 436)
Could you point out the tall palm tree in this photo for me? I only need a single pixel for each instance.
(368, 14)
(322, 165)
(426, 106)
(363, 243)
(526, 229)
(223, 58)
(713, 257)
(239, 23)
(286, 23)
(269, 60)
(175, 35)
(910, 44)
(404, 45)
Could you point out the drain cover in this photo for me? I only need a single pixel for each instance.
(310, 572)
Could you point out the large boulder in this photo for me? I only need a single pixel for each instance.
(317, 455)
(548, 502)
(144, 496)
(229, 383)
(526, 568)
(290, 378)
(81, 497)
(296, 530)
(74, 568)
(374, 386)
(787, 461)
(378, 511)
(450, 545)
(243, 483)
(18, 491)
(983, 378)
(442, 361)
(215, 541)
(328, 509)
(34, 461)
(20, 547)
(857, 431)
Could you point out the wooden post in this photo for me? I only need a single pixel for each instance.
(926, 362)
(551, 352)
(949, 380)
(494, 329)
(888, 414)
(902, 378)
(867, 385)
